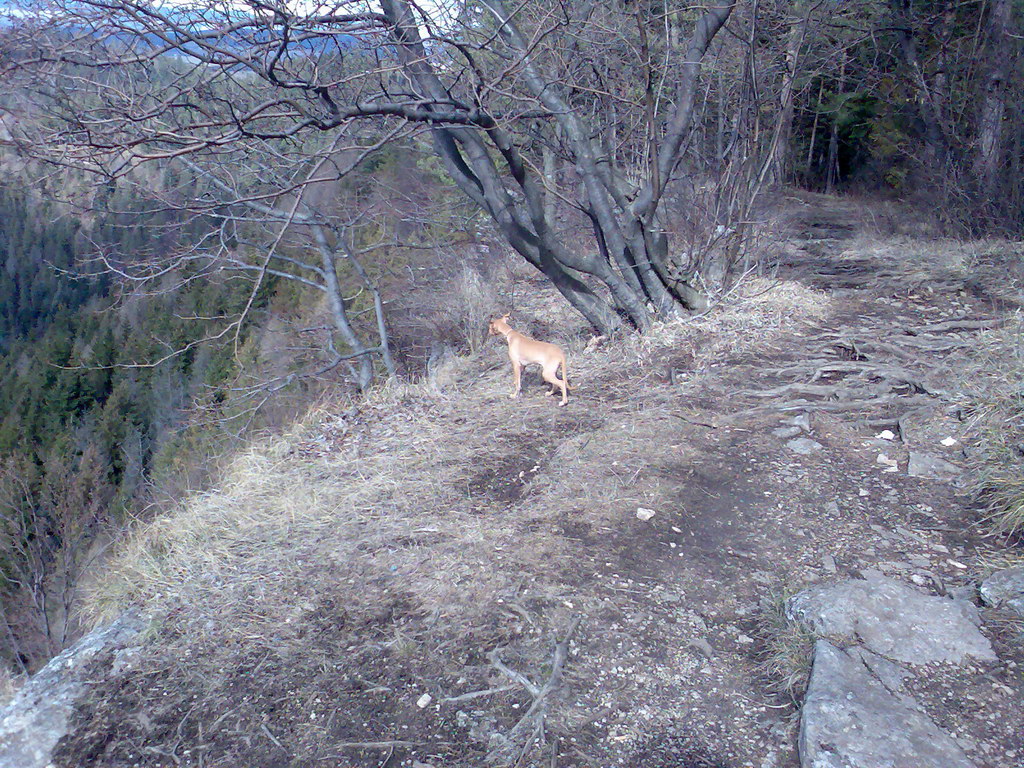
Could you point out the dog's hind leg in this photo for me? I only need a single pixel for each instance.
(548, 373)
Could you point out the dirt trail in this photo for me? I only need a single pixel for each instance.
(530, 523)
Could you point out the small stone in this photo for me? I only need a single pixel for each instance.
(700, 644)
(883, 459)
(828, 563)
(886, 434)
(786, 432)
(424, 700)
(949, 442)
(642, 513)
(803, 421)
(1005, 588)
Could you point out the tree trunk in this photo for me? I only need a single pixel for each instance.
(783, 135)
(832, 163)
(631, 258)
(993, 101)
(930, 108)
(336, 302)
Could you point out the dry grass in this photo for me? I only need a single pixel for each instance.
(9, 685)
(473, 301)
(992, 387)
(786, 650)
(755, 314)
(335, 508)
(383, 493)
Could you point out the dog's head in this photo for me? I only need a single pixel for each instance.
(498, 325)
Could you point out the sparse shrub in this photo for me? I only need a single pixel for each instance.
(9, 684)
(785, 650)
(473, 301)
(993, 392)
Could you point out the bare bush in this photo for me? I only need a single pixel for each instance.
(472, 302)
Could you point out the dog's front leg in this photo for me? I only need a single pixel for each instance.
(517, 370)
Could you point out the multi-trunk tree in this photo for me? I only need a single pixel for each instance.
(589, 103)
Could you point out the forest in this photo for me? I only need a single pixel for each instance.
(181, 183)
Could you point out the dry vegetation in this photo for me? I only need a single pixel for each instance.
(437, 538)
(994, 399)
(345, 485)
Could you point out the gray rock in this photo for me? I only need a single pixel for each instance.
(893, 620)
(854, 717)
(804, 445)
(932, 467)
(803, 421)
(37, 717)
(786, 432)
(702, 645)
(828, 563)
(1005, 589)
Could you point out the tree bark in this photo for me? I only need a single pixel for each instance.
(928, 101)
(993, 102)
(781, 150)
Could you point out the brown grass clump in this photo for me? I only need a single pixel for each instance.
(786, 650)
(993, 394)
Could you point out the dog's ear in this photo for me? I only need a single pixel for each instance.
(505, 317)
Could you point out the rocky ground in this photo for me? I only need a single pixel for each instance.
(441, 576)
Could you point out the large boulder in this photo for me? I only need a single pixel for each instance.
(854, 716)
(37, 717)
(893, 620)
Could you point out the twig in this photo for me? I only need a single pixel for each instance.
(695, 422)
(536, 735)
(369, 745)
(958, 325)
(511, 674)
(477, 694)
(271, 736)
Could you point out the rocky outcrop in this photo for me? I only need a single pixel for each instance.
(855, 716)
(873, 634)
(37, 717)
(932, 467)
(892, 620)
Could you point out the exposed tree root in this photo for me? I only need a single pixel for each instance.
(532, 724)
(958, 325)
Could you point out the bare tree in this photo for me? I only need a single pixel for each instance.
(495, 84)
(47, 532)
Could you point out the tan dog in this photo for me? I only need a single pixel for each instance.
(522, 350)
